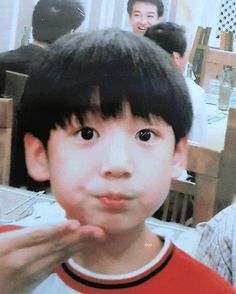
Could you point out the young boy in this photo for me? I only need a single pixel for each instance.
(106, 120)
(143, 14)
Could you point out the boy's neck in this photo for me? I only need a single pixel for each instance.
(118, 254)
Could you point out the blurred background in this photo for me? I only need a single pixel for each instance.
(15, 15)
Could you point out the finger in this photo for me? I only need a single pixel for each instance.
(30, 245)
(41, 259)
(27, 237)
(89, 231)
(33, 253)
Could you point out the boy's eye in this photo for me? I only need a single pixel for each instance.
(88, 133)
(145, 135)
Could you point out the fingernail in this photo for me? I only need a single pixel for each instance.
(99, 234)
(73, 225)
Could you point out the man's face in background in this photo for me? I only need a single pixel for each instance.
(143, 16)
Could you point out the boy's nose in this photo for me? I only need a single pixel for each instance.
(117, 161)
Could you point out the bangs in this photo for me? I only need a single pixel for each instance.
(98, 88)
(99, 73)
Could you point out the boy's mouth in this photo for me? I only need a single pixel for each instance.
(115, 201)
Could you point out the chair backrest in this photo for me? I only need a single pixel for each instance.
(226, 41)
(196, 55)
(200, 41)
(199, 52)
(6, 111)
(214, 182)
(14, 87)
(215, 59)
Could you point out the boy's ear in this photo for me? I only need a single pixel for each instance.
(180, 158)
(36, 158)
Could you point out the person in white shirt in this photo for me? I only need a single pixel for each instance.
(171, 37)
(217, 247)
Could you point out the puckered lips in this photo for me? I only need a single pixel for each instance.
(114, 200)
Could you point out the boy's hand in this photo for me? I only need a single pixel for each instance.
(28, 256)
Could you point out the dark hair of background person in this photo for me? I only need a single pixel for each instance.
(158, 3)
(54, 18)
(169, 36)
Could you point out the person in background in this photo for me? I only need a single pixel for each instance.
(217, 246)
(113, 135)
(51, 19)
(171, 37)
(143, 14)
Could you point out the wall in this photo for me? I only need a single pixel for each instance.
(192, 13)
(7, 23)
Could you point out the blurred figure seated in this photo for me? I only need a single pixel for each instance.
(171, 37)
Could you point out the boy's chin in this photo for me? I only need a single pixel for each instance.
(118, 228)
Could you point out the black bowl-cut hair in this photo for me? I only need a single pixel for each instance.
(122, 67)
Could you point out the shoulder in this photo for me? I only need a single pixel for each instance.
(199, 275)
(220, 229)
(218, 242)
(223, 222)
(21, 60)
(191, 84)
(8, 57)
(21, 54)
(196, 92)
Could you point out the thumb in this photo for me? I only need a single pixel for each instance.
(90, 231)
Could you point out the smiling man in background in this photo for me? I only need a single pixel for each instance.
(144, 14)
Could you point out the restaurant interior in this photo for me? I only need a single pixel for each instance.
(210, 31)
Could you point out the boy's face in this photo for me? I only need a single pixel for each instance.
(110, 173)
(143, 16)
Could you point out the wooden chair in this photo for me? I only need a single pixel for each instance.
(14, 87)
(6, 111)
(215, 59)
(199, 51)
(226, 41)
(200, 43)
(214, 185)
